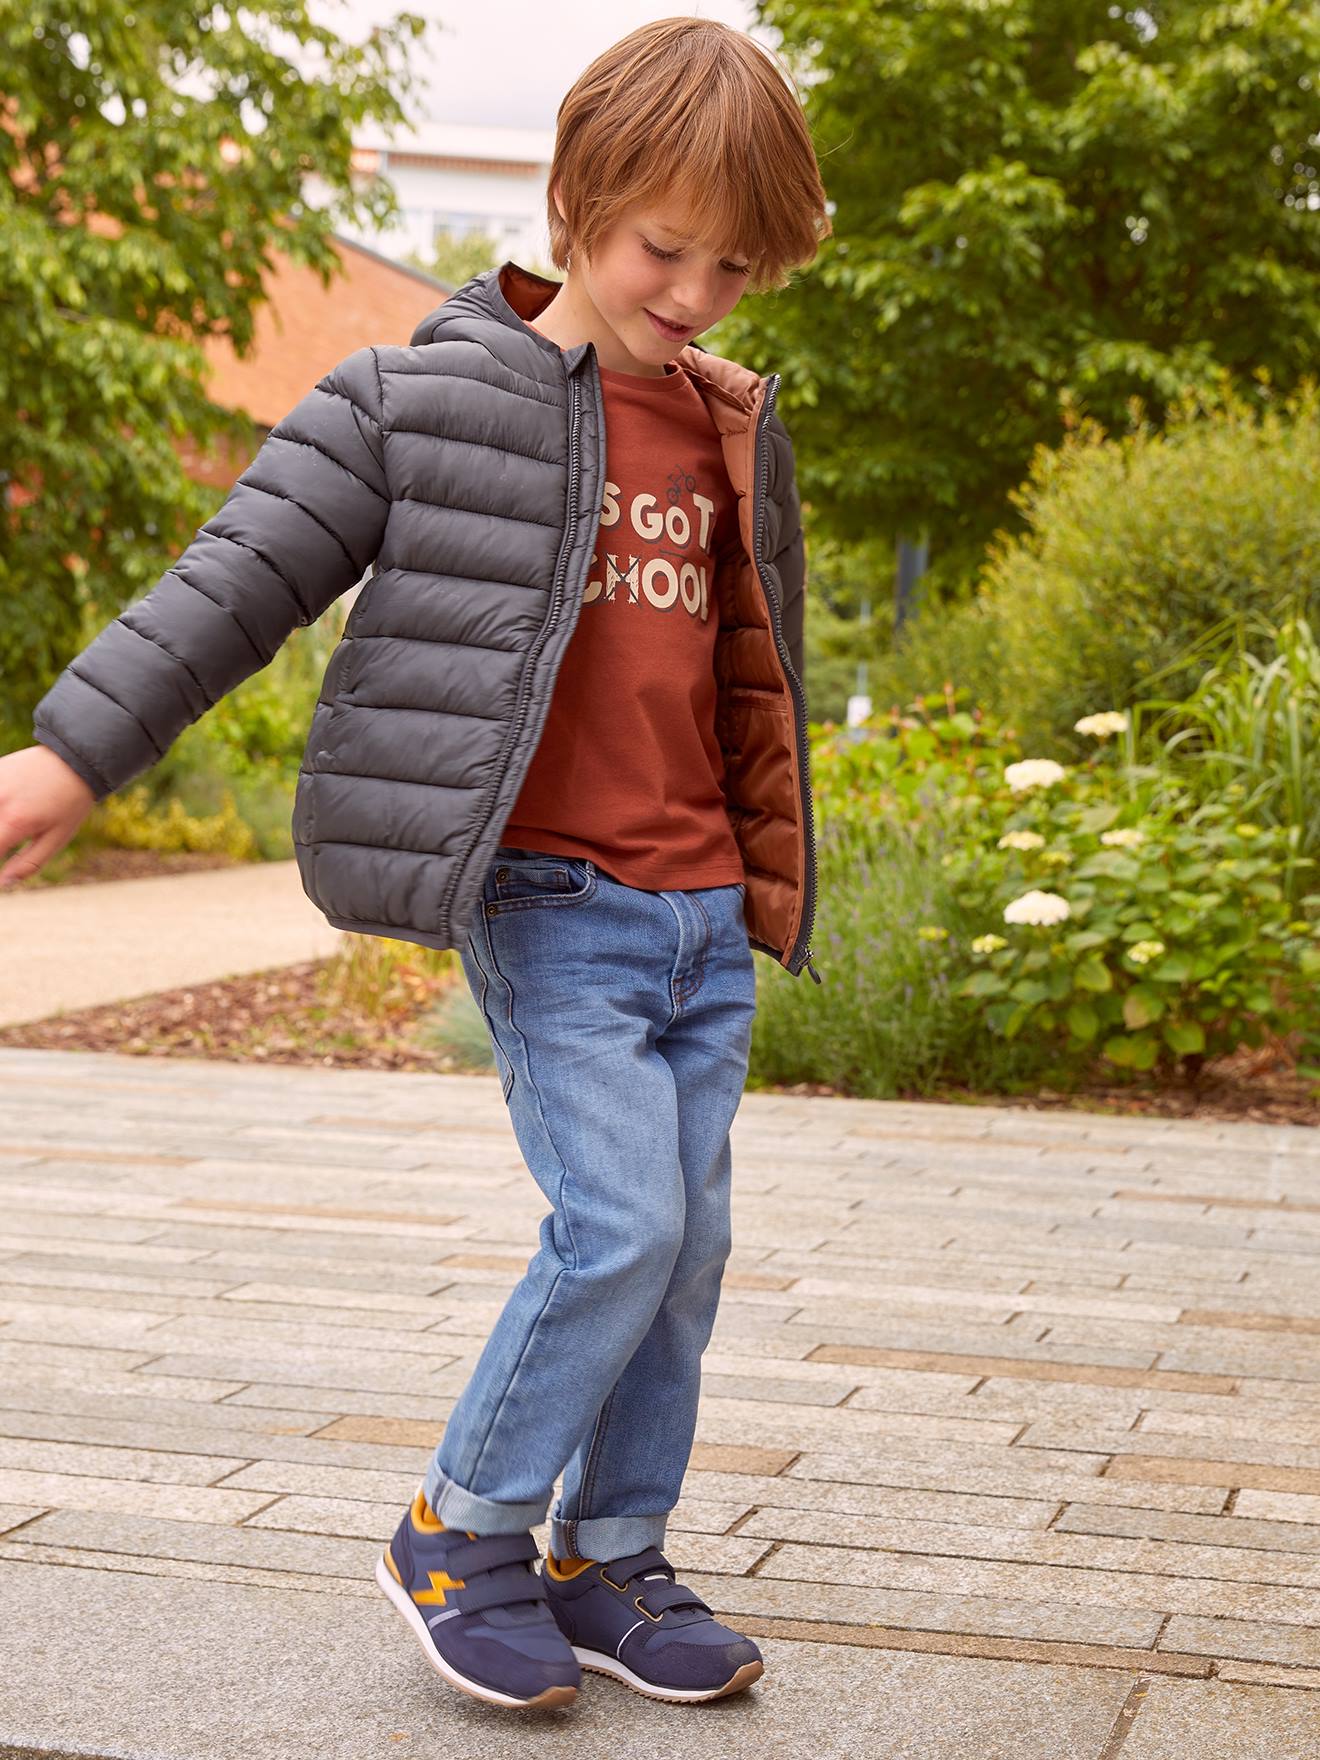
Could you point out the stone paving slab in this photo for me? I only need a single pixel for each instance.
(1009, 1441)
(276, 1663)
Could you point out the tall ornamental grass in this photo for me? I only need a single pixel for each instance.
(1252, 727)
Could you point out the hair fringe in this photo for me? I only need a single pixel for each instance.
(696, 116)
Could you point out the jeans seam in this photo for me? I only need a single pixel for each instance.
(559, 1205)
(594, 1452)
(505, 1085)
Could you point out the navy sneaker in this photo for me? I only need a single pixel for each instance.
(477, 1607)
(627, 1617)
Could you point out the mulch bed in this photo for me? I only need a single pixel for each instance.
(1250, 1087)
(291, 1015)
(284, 1015)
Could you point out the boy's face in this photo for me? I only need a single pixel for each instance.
(649, 266)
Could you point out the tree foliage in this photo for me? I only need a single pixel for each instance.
(154, 157)
(1044, 209)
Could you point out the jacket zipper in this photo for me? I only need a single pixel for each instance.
(799, 696)
(570, 534)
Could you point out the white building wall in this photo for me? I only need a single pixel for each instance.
(450, 179)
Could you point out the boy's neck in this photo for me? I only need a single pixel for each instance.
(571, 318)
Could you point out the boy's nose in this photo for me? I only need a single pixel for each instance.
(692, 296)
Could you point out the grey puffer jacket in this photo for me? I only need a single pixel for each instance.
(469, 469)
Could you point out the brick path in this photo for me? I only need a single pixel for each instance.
(1009, 1441)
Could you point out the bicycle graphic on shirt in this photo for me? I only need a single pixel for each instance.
(680, 482)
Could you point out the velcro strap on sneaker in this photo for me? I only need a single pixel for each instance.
(656, 1597)
(502, 1589)
(488, 1552)
(636, 1564)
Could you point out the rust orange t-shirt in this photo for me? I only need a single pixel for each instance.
(628, 771)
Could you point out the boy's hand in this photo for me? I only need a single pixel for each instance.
(42, 800)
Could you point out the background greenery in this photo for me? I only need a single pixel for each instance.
(101, 374)
(1042, 208)
(1065, 326)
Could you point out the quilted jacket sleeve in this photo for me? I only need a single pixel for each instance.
(300, 526)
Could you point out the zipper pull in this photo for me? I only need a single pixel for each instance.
(807, 963)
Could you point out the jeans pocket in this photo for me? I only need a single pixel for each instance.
(535, 882)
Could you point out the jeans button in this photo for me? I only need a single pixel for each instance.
(502, 874)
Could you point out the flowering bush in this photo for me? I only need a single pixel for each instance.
(1040, 908)
(996, 930)
(1179, 942)
(1033, 773)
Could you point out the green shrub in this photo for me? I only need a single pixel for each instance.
(905, 768)
(886, 1021)
(1138, 550)
(890, 800)
(128, 820)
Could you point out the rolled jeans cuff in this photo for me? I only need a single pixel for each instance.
(605, 1537)
(460, 1508)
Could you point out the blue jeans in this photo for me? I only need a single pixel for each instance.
(621, 1024)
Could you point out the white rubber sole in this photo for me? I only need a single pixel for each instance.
(600, 1663)
(400, 1599)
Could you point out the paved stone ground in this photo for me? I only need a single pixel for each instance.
(67, 947)
(1009, 1443)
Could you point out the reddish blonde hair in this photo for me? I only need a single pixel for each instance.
(690, 112)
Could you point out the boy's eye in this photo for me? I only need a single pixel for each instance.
(668, 257)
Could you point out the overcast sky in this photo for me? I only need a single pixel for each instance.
(509, 62)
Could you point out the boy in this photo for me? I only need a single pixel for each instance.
(605, 827)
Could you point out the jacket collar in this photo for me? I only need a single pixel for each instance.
(512, 295)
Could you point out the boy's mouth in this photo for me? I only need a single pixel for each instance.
(670, 331)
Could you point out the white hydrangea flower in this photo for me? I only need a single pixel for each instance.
(1033, 773)
(988, 943)
(1126, 837)
(1021, 840)
(1040, 909)
(1102, 725)
(1141, 953)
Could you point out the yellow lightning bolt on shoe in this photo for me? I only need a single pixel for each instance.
(440, 1581)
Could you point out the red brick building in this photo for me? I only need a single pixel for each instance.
(300, 332)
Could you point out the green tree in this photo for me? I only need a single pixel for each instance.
(153, 156)
(456, 258)
(1039, 203)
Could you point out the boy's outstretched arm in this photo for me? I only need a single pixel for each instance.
(300, 526)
